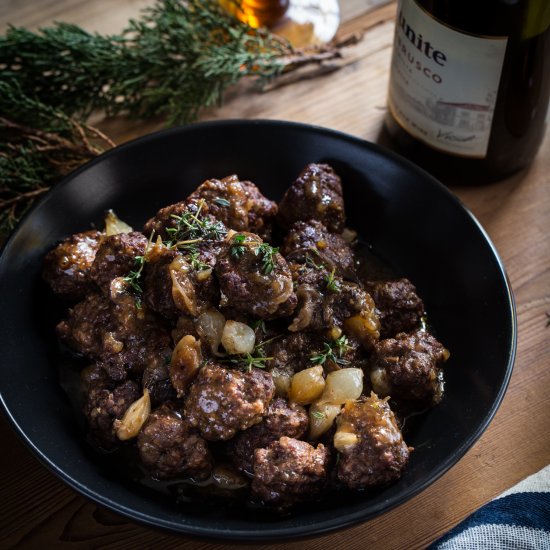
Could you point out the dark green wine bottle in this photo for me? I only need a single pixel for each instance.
(469, 85)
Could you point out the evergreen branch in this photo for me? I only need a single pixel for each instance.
(32, 159)
(177, 58)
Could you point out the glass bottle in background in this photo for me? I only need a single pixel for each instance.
(302, 22)
(469, 85)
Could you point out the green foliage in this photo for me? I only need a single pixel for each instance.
(176, 59)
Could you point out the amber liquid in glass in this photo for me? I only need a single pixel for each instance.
(302, 22)
(257, 13)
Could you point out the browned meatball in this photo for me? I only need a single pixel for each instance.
(220, 402)
(168, 447)
(105, 403)
(409, 367)
(185, 221)
(238, 204)
(67, 267)
(123, 338)
(116, 257)
(298, 351)
(327, 302)
(379, 455)
(293, 351)
(282, 419)
(315, 195)
(311, 241)
(178, 284)
(289, 471)
(400, 308)
(254, 278)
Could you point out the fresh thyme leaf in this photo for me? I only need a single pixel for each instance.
(333, 351)
(237, 246)
(256, 359)
(259, 325)
(222, 202)
(319, 415)
(196, 263)
(267, 253)
(311, 263)
(333, 284)
(133, 279)
(247, 361)
(192, 228)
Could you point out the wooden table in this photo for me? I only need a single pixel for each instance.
(39, 511)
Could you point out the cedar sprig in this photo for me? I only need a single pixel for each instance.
(177, 58)
(38, 146)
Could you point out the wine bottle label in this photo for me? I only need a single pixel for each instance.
(443, 82)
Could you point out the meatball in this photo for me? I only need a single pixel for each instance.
(315, 195)
(311, 241)
(67, 267)
(408, 367)
(123, 338)
(282, 419)
(238, 204)
(106, 403)
(296, 351)
(116, 257)
(289, 471)
(220, 401)
(180, 284)
(378, 455)
(326, 302)
(168, 447)
(400, 308)
(254, 278)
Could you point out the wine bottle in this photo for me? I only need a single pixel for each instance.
(469, 85)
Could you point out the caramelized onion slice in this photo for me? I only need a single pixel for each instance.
(134, 418)
(307, 385)
(185, 362)
(114, 225)
(210, 326)
(321, 418)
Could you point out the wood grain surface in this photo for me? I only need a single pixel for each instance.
(39, 511)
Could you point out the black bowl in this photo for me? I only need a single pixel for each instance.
(411, 221)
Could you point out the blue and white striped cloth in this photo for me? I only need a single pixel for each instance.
(518, 519)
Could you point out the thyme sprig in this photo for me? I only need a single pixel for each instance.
(264, 251)
(192, 229)
(332, 351)
(237, 246)
(267, 254)
(133, 279)
(38, 146)
(256, 359)
(333, 285)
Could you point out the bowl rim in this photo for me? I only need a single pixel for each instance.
(300, 531)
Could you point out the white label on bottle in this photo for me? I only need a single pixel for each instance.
(444, 83)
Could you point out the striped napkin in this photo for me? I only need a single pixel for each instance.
(518, 519)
